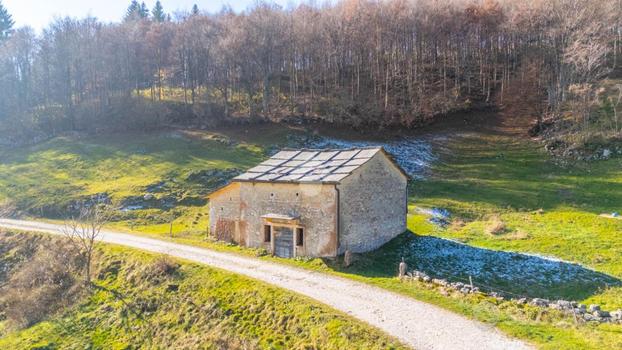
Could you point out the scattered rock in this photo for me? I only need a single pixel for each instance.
(539, 302)
(593, 313)
(594, 307)
(606, 153)
(562, 305)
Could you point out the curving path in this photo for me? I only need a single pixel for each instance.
(418, 324)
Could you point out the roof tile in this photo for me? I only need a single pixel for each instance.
(309, 166)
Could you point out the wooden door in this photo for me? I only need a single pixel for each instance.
(283, 242)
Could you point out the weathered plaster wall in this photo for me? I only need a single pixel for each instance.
(246, 202)
(315, 204)
(224, 211)
(373, 205)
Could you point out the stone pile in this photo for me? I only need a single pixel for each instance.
(587, 313)
(592, 312)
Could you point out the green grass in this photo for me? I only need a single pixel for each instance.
(548, 209)
(133, 307)
(45, 179)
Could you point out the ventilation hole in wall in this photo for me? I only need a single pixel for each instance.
(271, 194)
(297, 194)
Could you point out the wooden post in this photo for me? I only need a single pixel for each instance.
(347, 258)
(272, 245)
(471, 282)
(402, 269)
(294, 228)
(171, 230)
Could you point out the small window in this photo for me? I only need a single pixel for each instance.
(300, 236)
(267, 233)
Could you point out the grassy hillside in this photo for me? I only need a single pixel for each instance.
(47, 179)
(546, 208)
(146, 301)
(484, 178)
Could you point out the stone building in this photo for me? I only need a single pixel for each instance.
(314, 203)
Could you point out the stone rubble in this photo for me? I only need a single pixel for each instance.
(592, 313)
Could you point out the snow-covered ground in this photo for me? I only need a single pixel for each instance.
(526, 274)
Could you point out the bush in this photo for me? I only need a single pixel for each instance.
(164, 266)
(496, 226)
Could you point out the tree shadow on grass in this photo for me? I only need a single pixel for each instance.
(513, 274)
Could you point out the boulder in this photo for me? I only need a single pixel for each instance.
(579, 311)
(616, 315)
(440, 282)
(561, 305)
(539, 302)
(594, 307)
(606, 153)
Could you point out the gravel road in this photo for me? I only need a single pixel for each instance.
(417, 324)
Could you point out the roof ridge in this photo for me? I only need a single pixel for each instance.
(291, 149)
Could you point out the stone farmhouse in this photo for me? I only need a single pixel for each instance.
(315, 203)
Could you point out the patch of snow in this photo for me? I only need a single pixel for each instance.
(527, 272)
(132, 207)
(437, 216)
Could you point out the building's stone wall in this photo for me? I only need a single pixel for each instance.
(224, 213)
(315, 204)
(372, 205)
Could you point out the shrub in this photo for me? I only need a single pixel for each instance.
(164, 266)
(496, 226)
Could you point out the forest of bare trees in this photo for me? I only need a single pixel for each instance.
(359, 62)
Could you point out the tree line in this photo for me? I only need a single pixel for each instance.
(358, 62)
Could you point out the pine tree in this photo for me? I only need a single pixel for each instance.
(6, 23)
(195, 9)
(133, 11)
(158, 12)
(144, 11)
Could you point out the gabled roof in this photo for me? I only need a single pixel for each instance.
(312, 165)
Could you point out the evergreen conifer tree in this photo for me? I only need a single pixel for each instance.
(6, 23)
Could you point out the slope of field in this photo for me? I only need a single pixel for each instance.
(480, 177)
(142, 300)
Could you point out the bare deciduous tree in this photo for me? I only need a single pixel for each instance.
(359, 62)
(84, 231)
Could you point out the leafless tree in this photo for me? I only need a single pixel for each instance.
(84, 230)
(361, 62)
